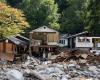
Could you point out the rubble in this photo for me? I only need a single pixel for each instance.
(54, 71)
(78, 56)
(74, 66)
(14, 75)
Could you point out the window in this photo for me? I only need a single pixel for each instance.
(62, 41)
(87, 40)
(82, 39)
(79, 40)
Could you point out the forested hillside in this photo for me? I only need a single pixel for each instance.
(67, 16)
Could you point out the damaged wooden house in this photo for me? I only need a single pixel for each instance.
(12, 47)
(43, 41)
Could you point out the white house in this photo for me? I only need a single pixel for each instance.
(87, 42)
(84, 40)
(70, 40)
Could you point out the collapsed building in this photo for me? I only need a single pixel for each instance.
(12, 47)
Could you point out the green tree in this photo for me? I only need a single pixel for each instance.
(2, 1)
(70, 22)
(62, 5)
(41, 12)
(91, 16)
(12, 21)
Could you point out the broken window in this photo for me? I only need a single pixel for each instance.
(83, 40)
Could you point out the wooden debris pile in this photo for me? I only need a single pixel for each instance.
(79, 56)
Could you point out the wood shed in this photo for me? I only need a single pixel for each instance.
(12, 46)
(43, 39)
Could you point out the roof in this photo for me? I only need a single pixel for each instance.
(64, 36)
(78, 34)
(22, 38)
(44, 29)
(17, 41)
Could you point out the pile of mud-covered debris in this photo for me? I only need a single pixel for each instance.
(69, 65)
(78, 56)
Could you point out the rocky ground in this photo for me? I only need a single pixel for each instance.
(34, 69)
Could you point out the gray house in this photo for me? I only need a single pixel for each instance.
(63, 41)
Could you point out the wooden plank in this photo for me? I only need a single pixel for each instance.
(1, 47)
(6, 51)
(50, 37)
(7, 56)
(53, 37)
(10, 56)
(9, 47)
(4, 46)
(35, 48)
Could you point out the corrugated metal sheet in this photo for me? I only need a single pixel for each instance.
(17, 41)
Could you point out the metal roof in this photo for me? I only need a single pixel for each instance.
(78, 34)
(44, 29)
(22, 38)
(64, 36)
(17, 41)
